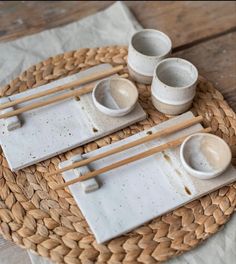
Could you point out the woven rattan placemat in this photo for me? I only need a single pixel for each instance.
(50, 223)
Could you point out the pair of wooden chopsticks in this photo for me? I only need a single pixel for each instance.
(79, 92)
(139, 156)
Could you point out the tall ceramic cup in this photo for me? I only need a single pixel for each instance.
(147, 47)
(174, 85)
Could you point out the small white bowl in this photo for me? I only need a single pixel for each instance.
(146, 48)
(115, 96)
(205, 156)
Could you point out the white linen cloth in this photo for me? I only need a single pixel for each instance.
(112, 26)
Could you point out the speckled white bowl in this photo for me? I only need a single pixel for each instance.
(205, 156)
(115, 96)
(147, 47)
(174, 85)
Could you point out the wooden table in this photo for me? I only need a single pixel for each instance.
(202, 32)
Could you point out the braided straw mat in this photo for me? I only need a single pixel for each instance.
(50, 223)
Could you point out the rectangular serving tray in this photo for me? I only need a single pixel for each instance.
(54, 129)
(133, 194)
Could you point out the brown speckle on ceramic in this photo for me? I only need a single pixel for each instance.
(166, 157)
(115, 97)
(187, 190)
(205, 155)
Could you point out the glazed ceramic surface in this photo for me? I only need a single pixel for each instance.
(115, 96)
(205, 156)
(147, 47)
(133, 194)
(174, 85)
(12, 122)
(87, 186)
(170, 109)
(53, 129)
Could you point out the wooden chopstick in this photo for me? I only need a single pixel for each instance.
(163, 132)
(55, 99)
(81, 81)
(92, 174)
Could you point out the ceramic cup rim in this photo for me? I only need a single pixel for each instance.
(143, 31)
(204, 174)
(183, 61)
(110, 111)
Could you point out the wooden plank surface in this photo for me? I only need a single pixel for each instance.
(185, 21)
(216, 60)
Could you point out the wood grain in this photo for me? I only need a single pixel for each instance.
(216, 60)
(185, 21)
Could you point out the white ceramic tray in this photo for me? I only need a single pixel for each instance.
(140, 191)
(53, 129)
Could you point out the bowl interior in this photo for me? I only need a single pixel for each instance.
(151, 43)
(176, 73)
(116, 94)
(206, 153)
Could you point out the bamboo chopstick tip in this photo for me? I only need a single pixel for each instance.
(208, 130)
(52, 173)
(200, 117)
(56, 188)
(125, 75)
(121, 66)
(53, 185)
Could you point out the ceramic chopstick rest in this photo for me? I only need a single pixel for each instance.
(146, 48)
(89, 185)
(174, 85)
(12, 122)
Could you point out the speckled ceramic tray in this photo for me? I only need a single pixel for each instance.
(49, 222)
(143, 190)
(50, 130)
